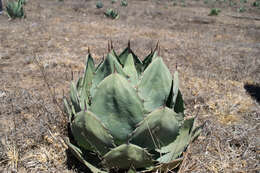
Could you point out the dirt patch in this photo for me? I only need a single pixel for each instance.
(215, 56)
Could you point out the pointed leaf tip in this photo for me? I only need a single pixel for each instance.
(170, 102)
(179, 103)
(111, 45)
(157, 46)
(129, 44)
(108, 46)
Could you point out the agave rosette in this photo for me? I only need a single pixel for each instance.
(130, 113)
(15, 8)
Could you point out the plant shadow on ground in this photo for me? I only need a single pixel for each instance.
(253, 90)
(72, 162)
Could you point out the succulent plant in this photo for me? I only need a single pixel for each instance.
(15, 9)
(214, 12)
(130, 113)
(124, 3)
(113, 1)
(99, 4)
(111, 13)
(256, 3)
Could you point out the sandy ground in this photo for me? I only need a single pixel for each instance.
(218, 58)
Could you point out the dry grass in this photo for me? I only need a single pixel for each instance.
(216, 57)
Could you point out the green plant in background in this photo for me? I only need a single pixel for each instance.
(174, 2)
(15, 9)
(214, 12)
(113, 1)
(243, 1)
(231, 3)
(130, 113)
(256, 3)
(183, 3)
(124, 3)
(111, 13)
(23, 2)
(99, 4)
(241, 9)
(206, 1)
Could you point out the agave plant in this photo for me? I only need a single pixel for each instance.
(214, 12)
(99, 4)
(111, 13)
(124, 3)
(15, 9)
(130, 113)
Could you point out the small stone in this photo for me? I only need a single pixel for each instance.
(2, 94)
(4, 56)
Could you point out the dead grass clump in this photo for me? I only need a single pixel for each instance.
(33, 132)
(233, 148)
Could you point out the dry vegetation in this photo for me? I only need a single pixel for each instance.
(217, 57)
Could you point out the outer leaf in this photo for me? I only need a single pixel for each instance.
(78, 153)
(127, 155)
(83, 103)
(174, 99)
(175, 87)
(74, 98)
(117, 106)
(87, 78)
(169, 102)
(155, 85)
(179, 104)
(158, 129)
(88, 130)
(84, 84)
(147, 61)
(67, 109)
(98, 66)
(176, 148)
(130, 70)
(109, 66)
(196, 130)
(81, 96)
(79, 84)
(124, 55)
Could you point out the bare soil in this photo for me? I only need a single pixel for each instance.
(218, 58)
